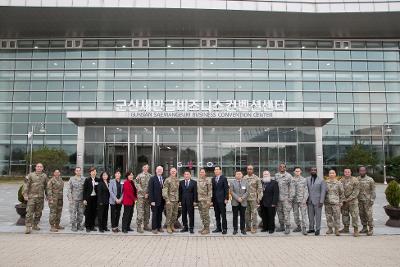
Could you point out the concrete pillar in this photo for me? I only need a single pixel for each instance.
(80, 147)
(319, 159)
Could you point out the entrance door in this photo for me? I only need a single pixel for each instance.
(116, 157)
(166, 156)
(141, 154)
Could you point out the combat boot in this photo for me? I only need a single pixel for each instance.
(253, 230)
(28, 230)
(59, 227)
(370, 231)
(147, 228)
(140, 230)
(173, 228)
(304, 231)
(281, 228)
(201, 230)
(287, 229)
(80, 227)
(206, 231)
(36, 227)
(248, 229)
(356, 234)
(337, 232)
(364, 230)
(297, 229)
(53, 228)
(345, 230)
(330, 231)
(169, 230)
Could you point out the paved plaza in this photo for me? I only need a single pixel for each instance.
(95, 249)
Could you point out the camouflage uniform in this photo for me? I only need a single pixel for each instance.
(75, 198)
(204, 192)
(142, 204)
(366, 199)
(300, 200)
(170, 193)
(34, 189)
(333, 198)
(55, 188)
(351, 187)
(255, 193)
(285, 196)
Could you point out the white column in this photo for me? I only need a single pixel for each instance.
(319, 159)
(80, 146)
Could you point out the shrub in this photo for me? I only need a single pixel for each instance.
(20, 195)
(392, 193)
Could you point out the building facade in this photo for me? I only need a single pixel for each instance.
(198, 83)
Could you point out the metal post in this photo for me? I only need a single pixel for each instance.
(383, 153)
(319, 152)
(31, 151)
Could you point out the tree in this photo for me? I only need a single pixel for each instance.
(393, 167)
(357, 155)
(51, 158)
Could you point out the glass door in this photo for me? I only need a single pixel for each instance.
(141, 154)
(166, 156)
(116, 157)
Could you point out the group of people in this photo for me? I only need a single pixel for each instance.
(251, 196)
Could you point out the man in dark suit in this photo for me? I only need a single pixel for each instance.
(90, 199)
(220, 197)
(187, 198)
(269, 202)
(157, 202)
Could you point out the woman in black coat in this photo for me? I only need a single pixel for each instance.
(103, 197)
(269, 202)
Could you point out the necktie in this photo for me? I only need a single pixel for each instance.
(186, 184)
(160, 180)
(217, 179)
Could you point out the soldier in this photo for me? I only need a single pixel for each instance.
(351, 187)
(300, 201)
(75, 198)
(333, 201)
(284, 180)
(170, 193)
(204, 191)
(253, 199)
(34, 189)
(55, 188)
(366, 199)
(143, 204)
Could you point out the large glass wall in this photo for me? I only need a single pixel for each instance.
(361, 84)
(128, 148)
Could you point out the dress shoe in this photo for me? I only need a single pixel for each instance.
(101, 231)
(130, 229)
(271, 232)
(217, 231)
(115, 230)
(184, 230)
(264, 230)
(235, 232)
(161, 230)
(87, 230)
(311, 231)
(317, 232)
(191, 231)
(224, 232)
(243, 232)
(107, 230)
(154, 232)
(124, 231)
